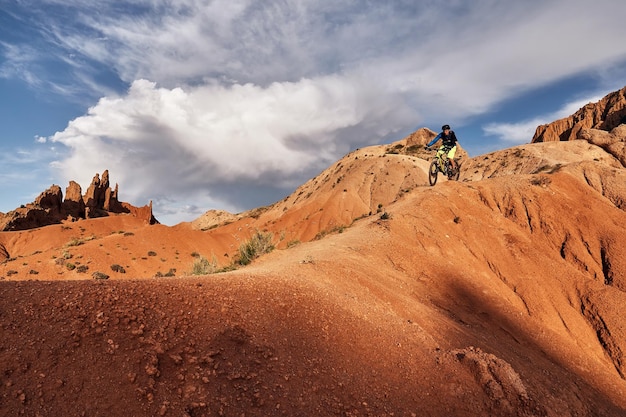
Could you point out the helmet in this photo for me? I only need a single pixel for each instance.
(444, 127)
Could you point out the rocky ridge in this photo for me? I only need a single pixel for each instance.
(51, 208)
(606, 114)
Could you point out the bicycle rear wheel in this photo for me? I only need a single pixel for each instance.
(433, 171)
(454, 173)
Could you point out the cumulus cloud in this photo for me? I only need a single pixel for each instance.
(183, 142)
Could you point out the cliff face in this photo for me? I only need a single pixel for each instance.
(606, 115)
(50, 207)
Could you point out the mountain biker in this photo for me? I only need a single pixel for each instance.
(448, 144)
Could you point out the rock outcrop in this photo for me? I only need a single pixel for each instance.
(606, 115)
(415, 143)
(99, 196)
(50, 207)
(613, 142)
(74, 204)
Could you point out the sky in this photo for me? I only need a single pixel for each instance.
(202, 105)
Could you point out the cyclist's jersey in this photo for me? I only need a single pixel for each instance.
(447, 141)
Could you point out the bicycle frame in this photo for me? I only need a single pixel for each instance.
(441, 163)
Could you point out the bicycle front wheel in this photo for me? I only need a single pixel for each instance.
(432, 172)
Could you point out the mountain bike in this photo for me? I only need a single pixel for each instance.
(441, 163)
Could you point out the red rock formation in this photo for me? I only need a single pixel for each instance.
(50, 200)
(73, 205)
(606, 114)
(420, 137)
(613, 142)
(50, 208)
(144, 213)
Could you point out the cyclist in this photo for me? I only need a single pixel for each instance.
(448, 144)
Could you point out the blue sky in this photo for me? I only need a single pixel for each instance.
(232, 104)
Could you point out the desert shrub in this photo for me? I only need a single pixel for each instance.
(79, 241)
(33, 272)
(152, 253)
(541, 181)
(385, 216)
(70, 266)
(550, 169)
(170, 273)
(82, 268)
(293, 243)
(99, 275)
(75, 242)
(335, 229)
(118, 268)
(259, 244)
(414, 148)
(321, 234)
(11, 272)
(202, 266)
(227, 268)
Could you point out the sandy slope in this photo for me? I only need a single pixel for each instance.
(498, 295)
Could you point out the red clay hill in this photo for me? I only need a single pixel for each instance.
(501, 294)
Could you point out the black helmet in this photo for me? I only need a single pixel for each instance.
(444, 127)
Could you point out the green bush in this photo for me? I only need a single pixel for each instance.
(259, 244)
(99, 275)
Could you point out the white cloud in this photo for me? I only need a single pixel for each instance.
(159, 142)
